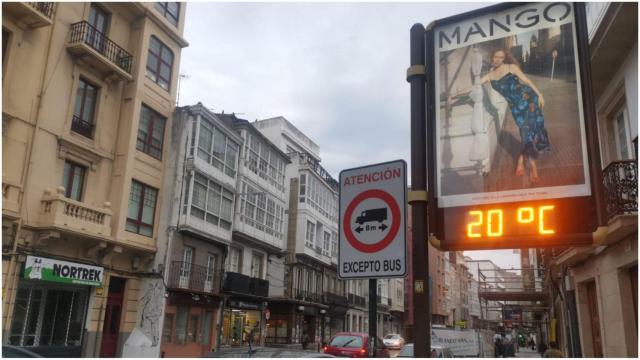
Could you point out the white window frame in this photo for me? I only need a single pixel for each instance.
(626, 133)
(228, 163)
(254, 202)
(212, 188)
(326, 243)
(309, 239)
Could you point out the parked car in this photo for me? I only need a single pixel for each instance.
(10, 351)
(393, 341)
(440, 351)
(354, 344)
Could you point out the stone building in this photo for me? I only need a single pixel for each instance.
(594, 288)
(314, 301)
(88, 91)
(255, 268)
(196, 230)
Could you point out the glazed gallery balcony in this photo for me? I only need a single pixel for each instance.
(100, 52)
(194, 277)
(242, 284)
(66, 214)
(31, 14)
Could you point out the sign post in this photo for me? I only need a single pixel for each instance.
(372, 226)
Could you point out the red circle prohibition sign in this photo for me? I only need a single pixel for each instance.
(395, 226)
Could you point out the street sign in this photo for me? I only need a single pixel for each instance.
(514, 155)
(373, 221)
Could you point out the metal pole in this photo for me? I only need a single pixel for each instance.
(418, 199)
(373, 316)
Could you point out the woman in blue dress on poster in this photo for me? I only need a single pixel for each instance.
(526, 103)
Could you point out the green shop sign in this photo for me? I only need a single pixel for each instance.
(62, 271)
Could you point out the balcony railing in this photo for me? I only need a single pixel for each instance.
(334, 299)
(64, 213)
(307, 296)
(194, 277)
(32, 14)
(355, 300)
(318, 169)
(84, 33)
(46, 8)
(82, 127)
(621, 188)
(243, 284)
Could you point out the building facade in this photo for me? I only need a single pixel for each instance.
(200, 193)
(88, 89)
(255, 268)
(594, 298)
(313, 302)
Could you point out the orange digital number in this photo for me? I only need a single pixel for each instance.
(477, 223)
(526, 215)
(541, 227)
(491, 231)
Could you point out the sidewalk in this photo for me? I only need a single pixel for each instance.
(527, 353)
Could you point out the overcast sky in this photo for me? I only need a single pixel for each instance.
(334, 70)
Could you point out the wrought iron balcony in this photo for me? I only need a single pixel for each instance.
(243, 284)
(307, 296)
(621, 188)
(355, 300)
(194, 277)
(99, 51)
(334, 299)
(67, 214)
(32, 14)
(82, 127)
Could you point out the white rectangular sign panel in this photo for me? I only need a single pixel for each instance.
(373, 221)
(463, 343)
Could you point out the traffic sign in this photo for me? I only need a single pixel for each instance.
(373, 221)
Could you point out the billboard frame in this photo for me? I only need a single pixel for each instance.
(436, 216)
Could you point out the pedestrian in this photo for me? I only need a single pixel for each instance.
(497, 345)
(526, 103)
(553, 351)
(533, 344)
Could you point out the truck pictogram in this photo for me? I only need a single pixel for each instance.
(378, 215)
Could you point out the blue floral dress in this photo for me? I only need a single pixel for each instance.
(523, 102)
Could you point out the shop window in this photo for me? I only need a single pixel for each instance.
(48, 317)
(142, 205)
(84, 111)
(206, 327)
(181, 325)
(170, 11)
(192, 335)
(73, 180)
(150, 132)
(167, 328)
(159, 63)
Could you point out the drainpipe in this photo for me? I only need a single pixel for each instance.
(11, 273)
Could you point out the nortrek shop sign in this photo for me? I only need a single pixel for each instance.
(40, 268)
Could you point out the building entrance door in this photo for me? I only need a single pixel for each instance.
(112, 316)
(596, 337)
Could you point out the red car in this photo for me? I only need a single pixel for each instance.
(354, 344)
